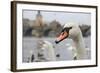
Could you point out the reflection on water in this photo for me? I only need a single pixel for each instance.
(62, 51)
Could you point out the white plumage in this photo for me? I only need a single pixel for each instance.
(75, 34)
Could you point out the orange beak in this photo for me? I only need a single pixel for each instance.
(61, 37)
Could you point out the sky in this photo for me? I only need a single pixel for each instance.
(62, 17)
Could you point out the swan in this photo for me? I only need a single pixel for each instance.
(48, 47)
(72, 31)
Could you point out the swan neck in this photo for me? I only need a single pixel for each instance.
(79, 43)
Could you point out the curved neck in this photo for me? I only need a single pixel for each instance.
(80, 47)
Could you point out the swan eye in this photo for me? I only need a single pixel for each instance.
(68, 28)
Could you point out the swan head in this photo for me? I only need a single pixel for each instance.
(70, 30)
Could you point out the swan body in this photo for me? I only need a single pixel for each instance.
(72, 31)
(48, 47)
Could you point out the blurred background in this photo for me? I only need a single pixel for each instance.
(40, 26)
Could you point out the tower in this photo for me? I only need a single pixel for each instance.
(38, 25)
(39, 18)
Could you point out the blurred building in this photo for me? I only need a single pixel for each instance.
(34, 27)
(38, 25)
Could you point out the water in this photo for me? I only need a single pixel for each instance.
(30, 47)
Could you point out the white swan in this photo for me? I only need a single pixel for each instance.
(47, 49)
(50, 49)
(72, 30)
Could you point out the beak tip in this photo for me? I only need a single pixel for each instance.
(56, 42)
